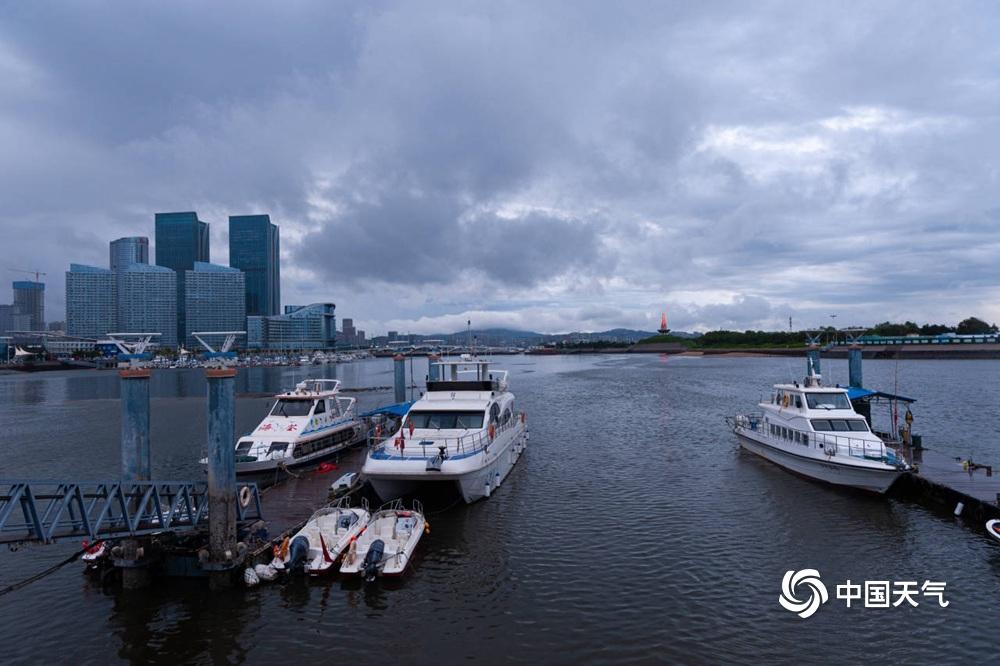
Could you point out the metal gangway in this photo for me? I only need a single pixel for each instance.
(48, 511)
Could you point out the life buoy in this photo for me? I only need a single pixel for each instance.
(784, 401)
(491, 431)
(245, 496)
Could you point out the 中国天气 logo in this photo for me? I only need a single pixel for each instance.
(808, 581)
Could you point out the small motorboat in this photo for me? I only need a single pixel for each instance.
(993, 528)
(387, 545)
(345, 484)
(326, 535)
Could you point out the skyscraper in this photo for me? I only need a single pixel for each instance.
(213, 300)
(254, 249)
(29, 299)
(90, 301)
(147, 301)
(181, 240)
(129, 250)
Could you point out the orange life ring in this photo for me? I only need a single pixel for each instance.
(491, 431)
(784, 401)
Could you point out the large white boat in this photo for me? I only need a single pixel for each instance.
(463, 431)
(304, 426)
(814, 431)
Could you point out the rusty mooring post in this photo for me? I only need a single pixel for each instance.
(221, 475)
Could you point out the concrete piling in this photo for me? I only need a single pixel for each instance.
(136, 456)
(221, 473)
(854, 366)
(399, 367)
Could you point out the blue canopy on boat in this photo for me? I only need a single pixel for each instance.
(394, 410)
(859, 393)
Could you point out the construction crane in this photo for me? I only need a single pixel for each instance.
(37, 274)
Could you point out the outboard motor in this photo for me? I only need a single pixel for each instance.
(373, 558)
(297, 553)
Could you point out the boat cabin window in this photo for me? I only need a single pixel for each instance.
(291, 408)
(278, 447)
(839, 425)
(798, 401)
(446, 420)
(320, 407)
(494, 413)
(243, 447)
(827, 401)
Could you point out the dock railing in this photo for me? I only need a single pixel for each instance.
(469, 444)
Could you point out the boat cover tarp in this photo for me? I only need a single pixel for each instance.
(395, 410)
(859, 393)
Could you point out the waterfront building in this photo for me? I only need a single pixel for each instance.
(181, 240)
(147, 302)
(29, 299)
(128, 250)
(12, 320)
(254, 249)
(213, 300)
(349, 332)
(90, 301)
(307, 327)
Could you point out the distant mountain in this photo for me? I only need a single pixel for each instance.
(499, 337)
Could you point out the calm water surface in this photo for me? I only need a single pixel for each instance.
(634, 530)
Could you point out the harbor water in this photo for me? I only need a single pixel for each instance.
(633, 530)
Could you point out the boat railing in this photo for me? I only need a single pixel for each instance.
(468, 444)
(831, 444)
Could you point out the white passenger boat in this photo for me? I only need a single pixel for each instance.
(303, 426)
(326, 535)
(463, 431)
(386, 546)
(814, 431)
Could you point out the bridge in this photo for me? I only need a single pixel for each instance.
(48, 511)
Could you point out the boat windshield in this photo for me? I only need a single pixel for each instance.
(839, 425)
(827, 401)
(291, 408)
(446, 420)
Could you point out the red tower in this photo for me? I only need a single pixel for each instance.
(663, 324)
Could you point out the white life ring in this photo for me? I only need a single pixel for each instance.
(245, 496)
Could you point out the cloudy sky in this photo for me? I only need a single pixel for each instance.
(551, 166)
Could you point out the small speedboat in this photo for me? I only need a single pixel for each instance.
(326, 535)
(387, 545)
(993, 528)
(345, 484)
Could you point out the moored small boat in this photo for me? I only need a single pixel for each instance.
(317, 547)
(386, 546)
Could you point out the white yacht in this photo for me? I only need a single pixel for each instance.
(814, 431)
(304, 425)
(464, 431)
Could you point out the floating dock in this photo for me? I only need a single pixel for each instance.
(944, 482)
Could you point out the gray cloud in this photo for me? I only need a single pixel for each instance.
(565, 165)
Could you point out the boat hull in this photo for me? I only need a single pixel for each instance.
(869, 479)
(259, 467)
(478, 481)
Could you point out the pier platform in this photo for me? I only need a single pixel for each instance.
(943, 481)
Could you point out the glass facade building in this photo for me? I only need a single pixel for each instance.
(90, 301)
(29, 299)
(213, 300)
(147, 302)
(129, 250)
(181, 240)
(308, 327)
(254, 249)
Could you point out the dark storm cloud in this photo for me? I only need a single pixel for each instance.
(565, 165)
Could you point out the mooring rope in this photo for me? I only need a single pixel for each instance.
(43, 574)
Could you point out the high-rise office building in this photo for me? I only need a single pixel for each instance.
(181, 240)
(29, 299)
(213, 300)
(349, 332)
(129, 250)
(90, 301)
(147, 301)
(12, 320)
(254, 249)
